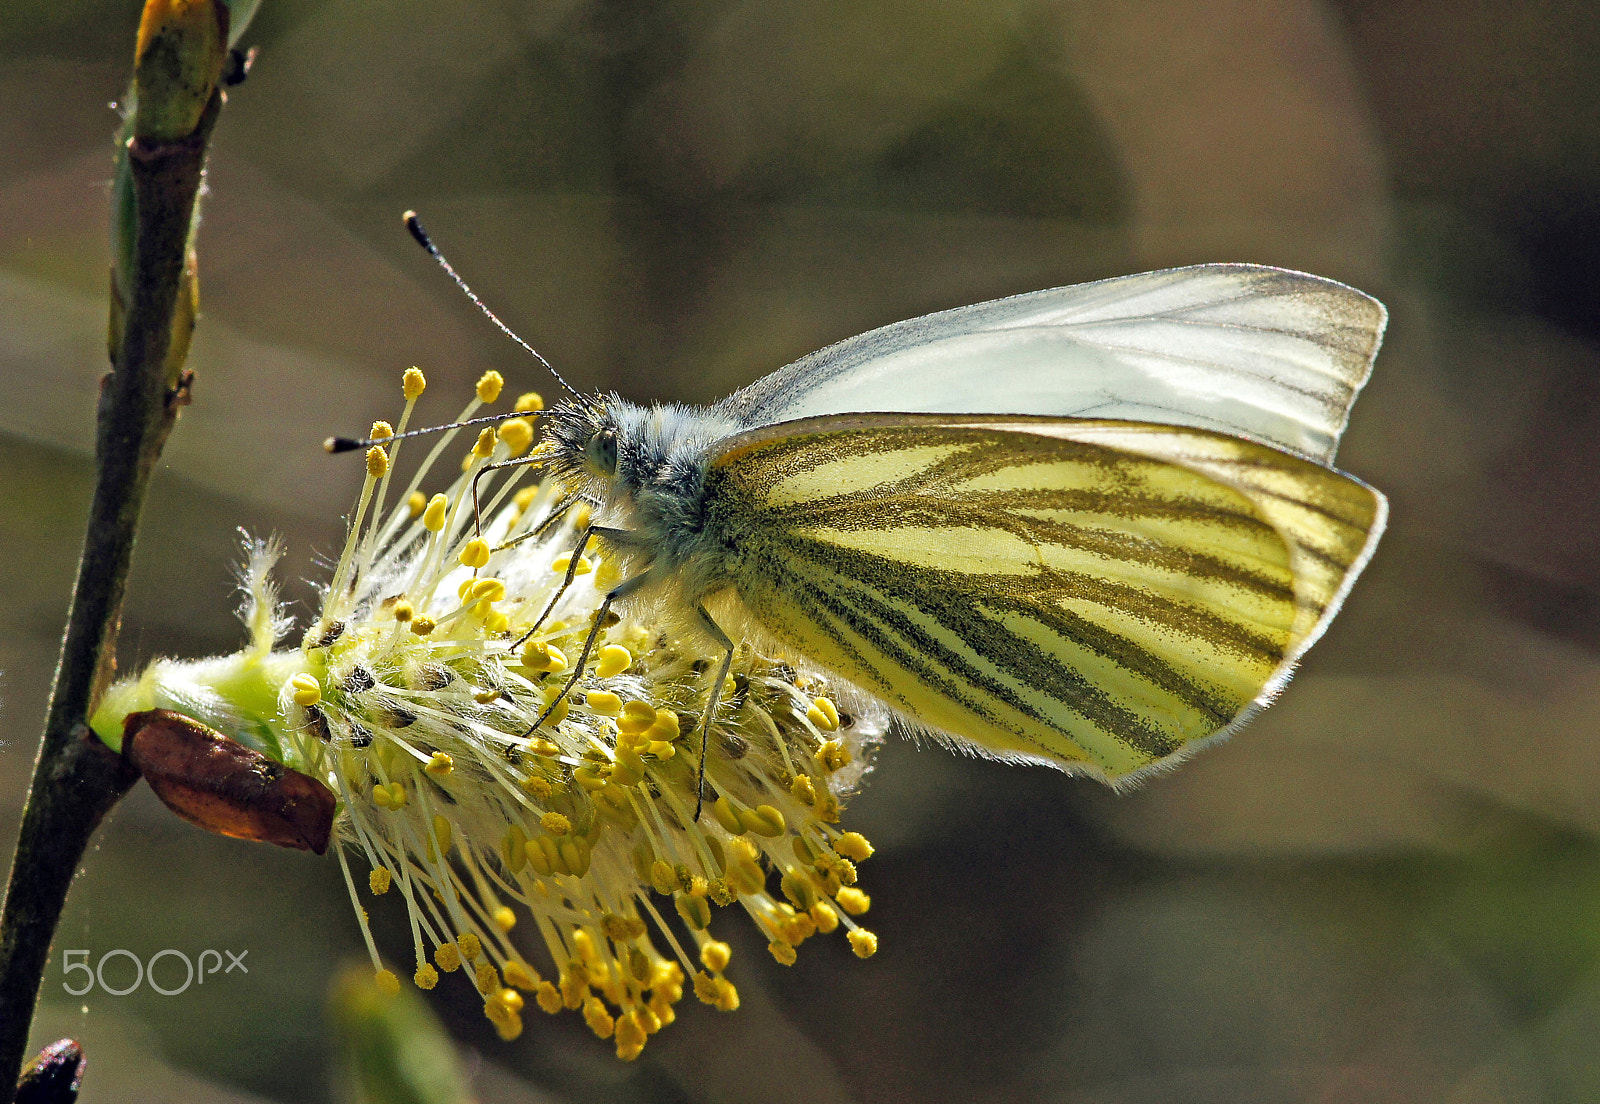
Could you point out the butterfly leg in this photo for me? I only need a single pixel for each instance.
(566, 503)
(477, 514)
(711, 706)
(618, 535)
(621, 591)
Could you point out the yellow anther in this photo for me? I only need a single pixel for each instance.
(853, 901)
(542, 860)
(416, 502)
(306, 689)
(440, 765)
(592, 776)
(666, 728)
(798, 890)
(556, 824)
(853, 845)
(496, 622)
(715, 956)
(504, 918)
(802, 790)
(538, 785)
(803, 850)
(574, 984)
(447, 957)
(824, 714)
(606, 575)
(377, 462)
(508, 1025)
(863, 943)
(508, 1000)
(388, 982)
(521, 975)
(647, 1019)
(379, 880)
(483, 448)
(403, 611)
(784, 953)
(614, 659)
(392, 796)
(470, 946)
(824, 917)
(442, 833)
(575, 855)
(524, 498)
(475, 553)
(746, 877)
(489, 385)
(604, 703)
(491, 590)
(413, 383)
(528, 402)
(630, 1039)
(422, 626)
(622, 928)
(562, 707)
(433, 514)
(763, 820)
(637, 716)
(582, 514)
(548, 997)
(486, 695)
(464, 590)
(598, 1019)
(537, 655)
(381, 431)
(696, 911)
(560, 564)
(486, 978)
(833, 755)
(727, 996)
(728, 816)
(705, 988)
(426, 976)
(795, 930)
(516, 435)
(662, 877)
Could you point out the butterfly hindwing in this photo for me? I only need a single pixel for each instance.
(1100, 595)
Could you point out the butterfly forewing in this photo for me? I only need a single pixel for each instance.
(1096, 594)
(1265, 352)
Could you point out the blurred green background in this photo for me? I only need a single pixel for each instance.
(1387, 889)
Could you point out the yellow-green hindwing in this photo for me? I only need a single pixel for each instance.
(1096, 594)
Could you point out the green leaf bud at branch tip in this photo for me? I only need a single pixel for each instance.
(177, 64)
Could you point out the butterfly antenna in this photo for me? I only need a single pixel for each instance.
(414, 225)
(346, 444)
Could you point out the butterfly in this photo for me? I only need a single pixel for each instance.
(1093, 527)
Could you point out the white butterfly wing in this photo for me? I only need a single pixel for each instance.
(1245, 349)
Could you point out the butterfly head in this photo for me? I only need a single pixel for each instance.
(581, 442)
(607, 446)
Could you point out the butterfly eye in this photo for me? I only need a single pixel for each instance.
(601, 450)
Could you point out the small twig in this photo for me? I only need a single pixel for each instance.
(76, 778)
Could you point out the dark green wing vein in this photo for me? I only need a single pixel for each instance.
(1089, 593)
